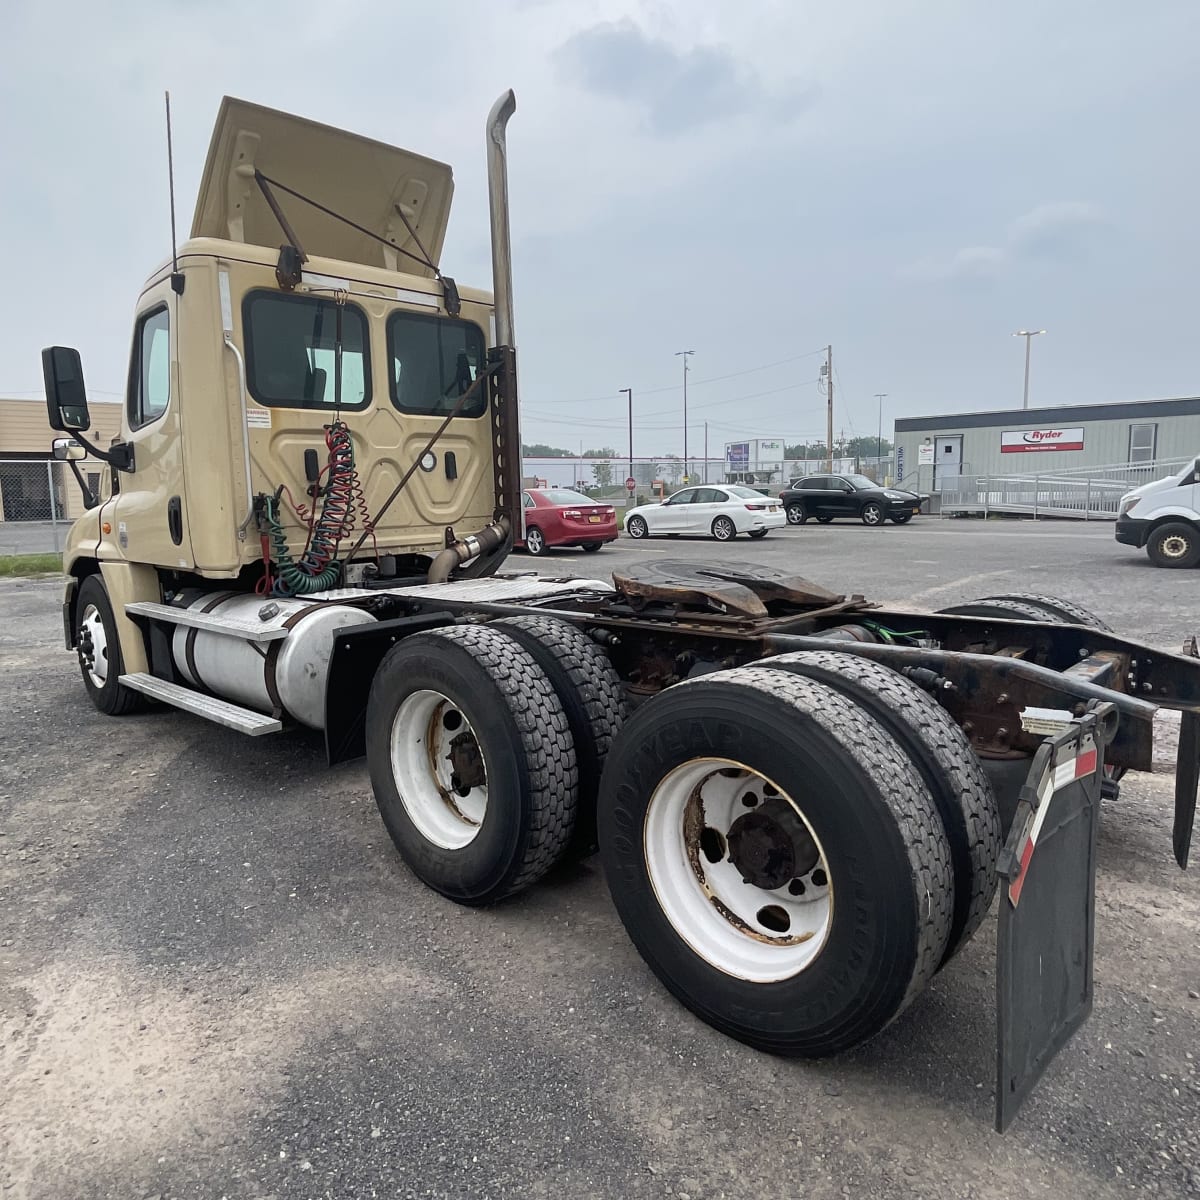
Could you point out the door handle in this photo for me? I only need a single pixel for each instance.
(175, 520)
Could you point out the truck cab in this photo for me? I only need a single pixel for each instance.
(1164, 517)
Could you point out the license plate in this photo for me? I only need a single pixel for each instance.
(595, 520)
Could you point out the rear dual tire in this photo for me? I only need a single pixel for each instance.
(712, 910)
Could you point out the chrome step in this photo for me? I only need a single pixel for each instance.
(248, 629)
(232, 716)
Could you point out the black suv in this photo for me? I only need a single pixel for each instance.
(829, 496)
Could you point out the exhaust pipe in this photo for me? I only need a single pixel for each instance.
(497, 169)
(489, 538)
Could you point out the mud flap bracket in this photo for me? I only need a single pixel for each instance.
(1044, 947)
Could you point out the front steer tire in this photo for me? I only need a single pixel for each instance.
(523, 738)
(93, 610)
(889, 870)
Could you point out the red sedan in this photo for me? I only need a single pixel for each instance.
(559, 517)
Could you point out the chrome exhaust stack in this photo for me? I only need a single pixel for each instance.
(497, 169)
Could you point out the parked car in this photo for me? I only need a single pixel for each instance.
(827, 497)
(721, 511)
(1164, 516)
(560, 517)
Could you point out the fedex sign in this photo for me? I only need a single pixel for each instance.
(1024, 441)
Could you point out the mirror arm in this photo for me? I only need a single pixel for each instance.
(90, 499)
(119, 456)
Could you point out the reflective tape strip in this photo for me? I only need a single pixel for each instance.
(1055, 778)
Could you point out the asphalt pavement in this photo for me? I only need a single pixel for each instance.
(217, 979)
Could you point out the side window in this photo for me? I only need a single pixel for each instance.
(708, 496)
(434, 360)
(816, 483)
(150, 369)
(685, 497)
(528, 499)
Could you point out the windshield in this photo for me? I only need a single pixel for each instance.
(564, 496)
(432, 361)
(749, 493)
(859, 482)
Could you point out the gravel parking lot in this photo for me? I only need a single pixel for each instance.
(218, 980)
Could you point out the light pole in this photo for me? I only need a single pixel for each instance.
(880, 396)
(685, 355)
(1028, 335)
(629, 392)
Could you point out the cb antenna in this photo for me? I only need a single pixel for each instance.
(176, 275)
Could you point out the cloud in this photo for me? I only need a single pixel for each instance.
(1061, 230)
(679, 89)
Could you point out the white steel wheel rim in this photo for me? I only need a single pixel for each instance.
(762, 935)
(91, 627)
(429, 733)
(1175, 546)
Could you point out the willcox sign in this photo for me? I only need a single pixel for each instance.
(1025, 441)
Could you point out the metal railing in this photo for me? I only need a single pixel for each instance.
(39, 501)
(1087, 493)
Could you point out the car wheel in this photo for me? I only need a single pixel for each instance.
(724, 530)
(824, 520)
(796, 514)
(99, 649)
(535, 540)
(872, 514)
(636, 527)
(1174, 545)
(758, 533)
(592, 547)
(902, 519)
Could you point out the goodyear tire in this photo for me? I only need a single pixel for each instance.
(776, 859)
(98, 647)
(939, 751)
(471, 761)
(593, 700)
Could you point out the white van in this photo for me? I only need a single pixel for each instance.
(1164, 516)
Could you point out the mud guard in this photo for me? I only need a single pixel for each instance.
(1044, 948)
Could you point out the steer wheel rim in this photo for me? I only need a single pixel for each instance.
(439, 769)
(637, 527)
(723, 530)
(1175, 546)
(533, 539)
(872, 516)
(93, 646)
(738, 871)
(795, 515)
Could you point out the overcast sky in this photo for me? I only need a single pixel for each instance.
(910, 182)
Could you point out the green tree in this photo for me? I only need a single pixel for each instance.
(603, 452)
(803, 450)
(602, 472)
(541, 450)
(865, 447)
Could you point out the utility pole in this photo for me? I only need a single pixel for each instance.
(828, 372)
(685, 355)
(1028, 335)
(629, 392)
(705, 452)
(880, 396)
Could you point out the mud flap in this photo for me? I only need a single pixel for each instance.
(1187, 777)
(1044, 947)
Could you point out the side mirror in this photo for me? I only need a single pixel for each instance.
(1196, 471)
(66, 396)
(67, 450)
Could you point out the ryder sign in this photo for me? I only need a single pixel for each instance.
(1025, 441)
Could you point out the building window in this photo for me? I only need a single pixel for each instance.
(150, 369)
(1142, 443)
(291, 351)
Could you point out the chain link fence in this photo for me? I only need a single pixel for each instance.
(39, 501)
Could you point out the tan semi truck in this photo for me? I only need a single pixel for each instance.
(803, 801)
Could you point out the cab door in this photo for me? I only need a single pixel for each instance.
(146, 512)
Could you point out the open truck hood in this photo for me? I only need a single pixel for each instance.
(363, 180)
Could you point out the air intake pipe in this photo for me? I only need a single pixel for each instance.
(490, 538)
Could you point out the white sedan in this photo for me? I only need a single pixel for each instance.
(721, 511)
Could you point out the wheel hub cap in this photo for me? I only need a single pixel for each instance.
(770, 846)
(1174, 547)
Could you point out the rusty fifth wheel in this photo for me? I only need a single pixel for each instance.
(471, 761)
(776, 858)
